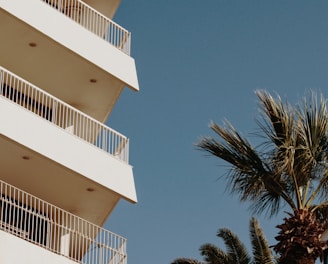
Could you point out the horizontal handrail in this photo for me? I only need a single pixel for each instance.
(63, 115)
(46, 225)
(95, 22)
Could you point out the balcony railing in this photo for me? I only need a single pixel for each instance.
(94, 21)
(63, 115)
(36, 221)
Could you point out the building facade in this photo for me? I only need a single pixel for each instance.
(63, 65)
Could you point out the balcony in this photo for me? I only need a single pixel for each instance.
(52, 148)
(94, 21)
(56, 230)
(63, 115)
(77, 55)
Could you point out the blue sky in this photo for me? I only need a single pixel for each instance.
(199, 61)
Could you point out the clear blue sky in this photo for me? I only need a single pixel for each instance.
(199, 61)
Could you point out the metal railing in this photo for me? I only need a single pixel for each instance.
(39, 222)
(95, 22)
(63, 115)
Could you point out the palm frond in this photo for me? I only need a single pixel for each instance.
(267, 202)
(323, 187)
(249, 176)
(293, 166)
(240, 154)
(212, 254)
(279, 125)
(261, 250)
(278, 119)
(313, 128)
(186, 261)
(236, 252)
(320, 193)
(235, 248)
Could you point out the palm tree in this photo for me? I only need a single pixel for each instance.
(236, 252)
(289, 168)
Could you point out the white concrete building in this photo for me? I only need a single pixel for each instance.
(63, 65)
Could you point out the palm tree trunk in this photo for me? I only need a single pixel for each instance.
(299, 239)
(304, 260)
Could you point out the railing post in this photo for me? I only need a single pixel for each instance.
(57, 230)
(95, 22)
(1, 81)
(63, 115)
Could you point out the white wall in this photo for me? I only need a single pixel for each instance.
(51, 22)
(47, 139)
(15, 250)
